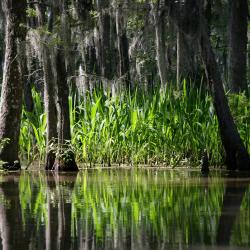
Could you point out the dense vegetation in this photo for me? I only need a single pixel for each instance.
(170, 128)
(124, 82)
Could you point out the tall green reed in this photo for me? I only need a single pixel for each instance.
(167, 127)
(33, 130)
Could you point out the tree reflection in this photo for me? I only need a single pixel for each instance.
(110, 210)
(58, 228)
(11, 226)
(234, 193)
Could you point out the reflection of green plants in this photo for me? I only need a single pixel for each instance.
(32, 193)
(167, 206)
(172, 207)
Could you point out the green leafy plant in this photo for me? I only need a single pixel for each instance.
(171, 127)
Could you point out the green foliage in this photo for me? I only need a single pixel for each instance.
(32, 140)
(170, 128)
(31, 12)
(134, 24)
(94, 14)
(62, 151)
(241, 115)
(3, 142)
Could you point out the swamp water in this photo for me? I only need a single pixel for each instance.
(124, 209)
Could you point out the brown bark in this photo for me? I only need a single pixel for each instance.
(238, 21)
(12, 86)
(236, 153)
(66, 159)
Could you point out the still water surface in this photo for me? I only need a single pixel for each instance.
(124, 209)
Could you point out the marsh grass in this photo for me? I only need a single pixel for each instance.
(168, 127)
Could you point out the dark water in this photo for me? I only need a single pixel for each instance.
(124, 209)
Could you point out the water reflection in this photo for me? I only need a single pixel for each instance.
(234, 194)
(12, 232)
(58, 227)
(123, 210)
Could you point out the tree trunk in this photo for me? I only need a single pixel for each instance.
(2, 28)
(28, 100)
(87, 45)
(122, 42)
(49, 88)
(159, 24)
(66, 160)
(12, 87)
(50, 108)
(236, 153)
(238, 22)
(208, 14)
(105, 44)
(185, 63)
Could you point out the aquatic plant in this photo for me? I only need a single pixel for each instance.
(166, 127)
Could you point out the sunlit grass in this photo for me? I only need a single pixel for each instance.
(166, 127)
